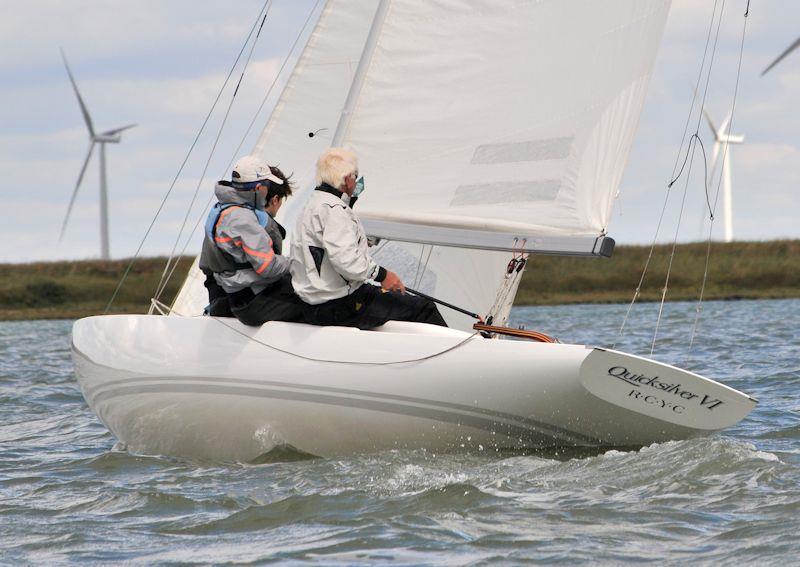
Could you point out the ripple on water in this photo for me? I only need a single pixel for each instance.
(68, 495)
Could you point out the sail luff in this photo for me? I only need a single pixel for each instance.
(361, 73)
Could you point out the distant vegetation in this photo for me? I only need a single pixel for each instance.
(736, 270)
(740, 270)
(69, 290)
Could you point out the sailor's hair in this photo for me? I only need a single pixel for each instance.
(283, 191)
(334, 165)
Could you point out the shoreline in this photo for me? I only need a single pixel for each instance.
(737, 271)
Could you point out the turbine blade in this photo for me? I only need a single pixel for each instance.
(724, 125)
(118, 130)
(84, 110)
(710, 123)
(713, 167)
(705, 112)
(75, 192)
(789, 49)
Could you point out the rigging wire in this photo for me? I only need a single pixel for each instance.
(419, 263)
(638, 290)
(425, 267)
(698, 309)
(162, 283)
(272, 86)
(200, 218)
(180, 170)
(689, 150)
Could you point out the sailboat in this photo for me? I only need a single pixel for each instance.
(489, 132)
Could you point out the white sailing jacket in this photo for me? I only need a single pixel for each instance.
(329, 257)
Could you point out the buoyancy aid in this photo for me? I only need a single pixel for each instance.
(213, 258)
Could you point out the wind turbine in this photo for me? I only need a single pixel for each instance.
(109, 137)
(722, 141)
(786, 52)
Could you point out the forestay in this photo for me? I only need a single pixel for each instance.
(476, 121)
(302, 124)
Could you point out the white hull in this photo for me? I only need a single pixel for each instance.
(215, 389)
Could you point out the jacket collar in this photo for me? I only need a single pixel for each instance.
(281, 230)
(227, 194)
(325, 188)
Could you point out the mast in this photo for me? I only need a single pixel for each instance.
(104, 248)
(727, 197)
(361, 72)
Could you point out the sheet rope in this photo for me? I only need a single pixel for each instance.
(457, 345)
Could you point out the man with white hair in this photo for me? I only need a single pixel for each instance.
(330, 263)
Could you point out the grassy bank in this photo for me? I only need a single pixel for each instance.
(73, 289)
(736, 270)
(740, 270)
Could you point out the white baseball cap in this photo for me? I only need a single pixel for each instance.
(251, 169)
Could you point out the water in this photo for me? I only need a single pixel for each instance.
(67, 495)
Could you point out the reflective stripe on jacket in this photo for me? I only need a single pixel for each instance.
(240, 235)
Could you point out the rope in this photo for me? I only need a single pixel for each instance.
(180, 170)
(514, 270)
(698, 309)
(638, 290)
(690, 149)
(425, 267)
(313, 359)
(274, 82)
(202, 215)
(162, 284)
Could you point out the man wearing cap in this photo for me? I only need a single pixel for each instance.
(239, 252)
(330, 263)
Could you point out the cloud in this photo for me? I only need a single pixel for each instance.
(160, 64)
(761, 157)
(150, 31)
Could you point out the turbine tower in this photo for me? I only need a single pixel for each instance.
(722, 141)
(109, 137)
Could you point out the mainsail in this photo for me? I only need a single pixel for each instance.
(482, 126)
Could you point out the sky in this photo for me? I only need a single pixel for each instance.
(160, 65)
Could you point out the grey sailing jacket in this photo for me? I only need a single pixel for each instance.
(329, 250)
(239, 234)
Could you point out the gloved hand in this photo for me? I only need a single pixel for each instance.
(392, 282)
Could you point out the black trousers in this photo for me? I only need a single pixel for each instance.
(370, 307)
(276, 303)
(218, 304)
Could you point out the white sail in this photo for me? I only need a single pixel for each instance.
(504, 116)
(478, 124)
(477, 119)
